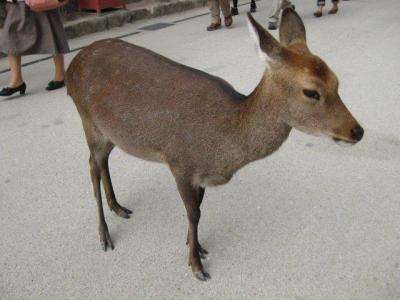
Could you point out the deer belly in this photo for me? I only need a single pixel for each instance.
(145, 154)
(205, 180)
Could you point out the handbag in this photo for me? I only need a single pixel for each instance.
(43, 5)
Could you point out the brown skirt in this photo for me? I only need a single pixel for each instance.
(27, 32)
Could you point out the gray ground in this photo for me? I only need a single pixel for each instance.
(313, 221)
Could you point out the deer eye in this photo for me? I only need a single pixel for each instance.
(312, 94)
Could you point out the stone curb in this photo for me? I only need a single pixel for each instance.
(118, 18)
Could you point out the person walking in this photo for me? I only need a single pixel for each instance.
(26, 32)
(216, 6)
(321, 4)
(277, 7)
(235, 11)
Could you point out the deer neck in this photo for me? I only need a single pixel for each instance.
(262, 124)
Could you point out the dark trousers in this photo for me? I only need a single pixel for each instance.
(322, 2)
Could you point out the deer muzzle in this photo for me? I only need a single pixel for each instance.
(357, 133)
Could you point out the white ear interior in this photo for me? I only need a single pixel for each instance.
(253, 33)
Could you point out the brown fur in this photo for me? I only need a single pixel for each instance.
(197, 124)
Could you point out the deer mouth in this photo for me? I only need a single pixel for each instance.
(342, 140)
(356, 135)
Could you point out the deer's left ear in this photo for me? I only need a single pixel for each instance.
(291, 28)
(270, 48)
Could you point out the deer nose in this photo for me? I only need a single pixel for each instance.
(357, 133)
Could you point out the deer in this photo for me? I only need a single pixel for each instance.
(197, 124)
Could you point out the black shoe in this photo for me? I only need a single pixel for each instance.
(7, 91)
(55, 85)
(272, 26)
(234, 11)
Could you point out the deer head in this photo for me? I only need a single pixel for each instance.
(307, 87)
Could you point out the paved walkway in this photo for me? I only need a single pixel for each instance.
(313, 221)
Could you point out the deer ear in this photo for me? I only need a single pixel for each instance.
(269, 46)
(291, 28)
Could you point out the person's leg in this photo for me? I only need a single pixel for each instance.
(213, 6)
(320, 4)
(226, 11)
(285, 4)
(273, 18)
(253, 6)
(277, 6)
(335, 7)
(16, 83)
(16, 74)
(59, 73)
(234, 10)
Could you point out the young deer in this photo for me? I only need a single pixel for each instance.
(197, 124)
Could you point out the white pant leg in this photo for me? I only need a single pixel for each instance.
(277, 6)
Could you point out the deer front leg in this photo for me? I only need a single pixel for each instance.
(105, 239)
(192, 200)
(202, 252)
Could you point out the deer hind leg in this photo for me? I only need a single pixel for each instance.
(192, 199)
(100, 149)
(109, 191)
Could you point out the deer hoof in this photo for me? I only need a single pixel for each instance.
(201, 275)
(105, 239)
(202, 252)
(122, 212)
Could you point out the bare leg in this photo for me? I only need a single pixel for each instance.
(318, 12)
(16, 73)
(191, 198)
(59, 73)
(320, 5)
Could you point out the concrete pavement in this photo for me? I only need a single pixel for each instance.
(313, 221)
